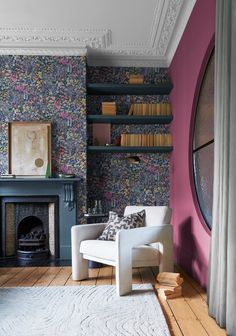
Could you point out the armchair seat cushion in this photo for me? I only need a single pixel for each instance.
(107, 250)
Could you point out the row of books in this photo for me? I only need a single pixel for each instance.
(150, 109)
(147, 140)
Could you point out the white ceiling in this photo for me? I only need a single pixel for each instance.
(110, 32)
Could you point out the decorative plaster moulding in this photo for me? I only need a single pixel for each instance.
(44, 51)
(102, 46)
(49, 41)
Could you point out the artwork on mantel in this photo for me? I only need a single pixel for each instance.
(29, 149)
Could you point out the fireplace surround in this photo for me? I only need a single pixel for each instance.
(45, 191)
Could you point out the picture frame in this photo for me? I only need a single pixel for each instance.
(29, 148)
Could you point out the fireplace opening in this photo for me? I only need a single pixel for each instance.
(32, 240)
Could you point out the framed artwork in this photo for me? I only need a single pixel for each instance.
(29, 148)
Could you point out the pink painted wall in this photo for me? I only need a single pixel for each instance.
(191, 237)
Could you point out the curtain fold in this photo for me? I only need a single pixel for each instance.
(222, 270)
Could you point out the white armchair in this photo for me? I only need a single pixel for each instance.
(142, 247)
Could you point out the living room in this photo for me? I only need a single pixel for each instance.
(105, 127)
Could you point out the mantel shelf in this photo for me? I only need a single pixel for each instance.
(129, 119)
(129, 149)
(47, 180)
(129, 89)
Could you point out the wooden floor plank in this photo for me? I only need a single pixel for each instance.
(170, 318)
(33, 278)
(7, 270)
(200, 309)
(16, 280)
(71, 282)
(92, 279)
(113, 278)
(136, 278)
(104, 276)
(47, 277)
(6, 276)
(147, 275)
(61, 277)
(185, 317)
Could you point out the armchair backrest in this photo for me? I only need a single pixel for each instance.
(155, 215)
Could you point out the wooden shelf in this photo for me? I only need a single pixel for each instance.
(126, 119)
(129, 149)
(129, 89)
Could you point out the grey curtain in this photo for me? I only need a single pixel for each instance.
(222, 270)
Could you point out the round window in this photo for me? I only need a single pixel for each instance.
(203, 143)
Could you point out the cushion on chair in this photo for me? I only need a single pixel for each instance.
(107, 250)
(116, 223)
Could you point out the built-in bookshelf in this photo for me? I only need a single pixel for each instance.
(138, 114)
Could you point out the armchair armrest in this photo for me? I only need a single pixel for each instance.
(127, 239)
(87, 231)
(78, 234)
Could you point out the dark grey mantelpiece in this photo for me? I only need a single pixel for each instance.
(48, 187)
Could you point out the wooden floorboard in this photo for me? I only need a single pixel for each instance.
(47, 277)
(61, 277)
(186, 316)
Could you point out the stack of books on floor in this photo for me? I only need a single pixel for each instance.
(144, 109)
(169, 285)
(146, 140)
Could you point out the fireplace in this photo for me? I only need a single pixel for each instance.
(32, 240)
(30, 228)
(59, 197)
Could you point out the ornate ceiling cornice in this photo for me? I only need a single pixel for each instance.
(166, 28)
(52, 41)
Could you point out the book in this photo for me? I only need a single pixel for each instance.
(131, 109)
(168, 290)
(170, 296)
(168, 109)
(158, 109)
(170, 279)
(136, 79)
(109, 108)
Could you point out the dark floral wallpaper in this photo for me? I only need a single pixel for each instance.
(48, 88)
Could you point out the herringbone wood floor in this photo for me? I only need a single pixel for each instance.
(186, 316)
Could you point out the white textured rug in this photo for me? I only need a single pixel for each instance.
(80, 311)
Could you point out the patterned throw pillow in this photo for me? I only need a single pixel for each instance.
(116, 223)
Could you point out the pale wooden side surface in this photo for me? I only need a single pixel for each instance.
(186, 316)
